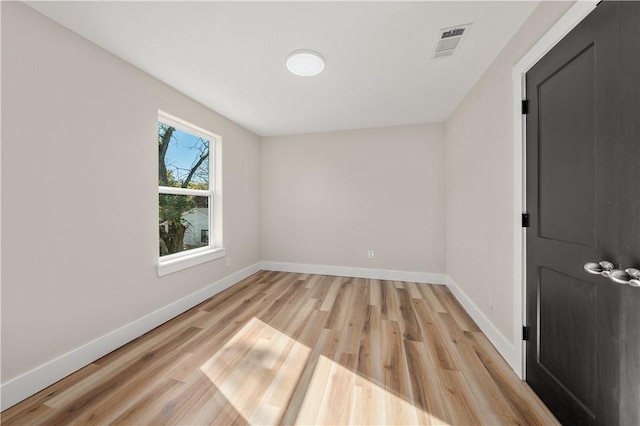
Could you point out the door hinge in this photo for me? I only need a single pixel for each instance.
(525, 332)
(525, 220)
(525, 106)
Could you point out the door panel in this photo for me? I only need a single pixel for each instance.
(567, 306)
(566, 102)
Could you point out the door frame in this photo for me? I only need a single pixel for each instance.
(562, 27)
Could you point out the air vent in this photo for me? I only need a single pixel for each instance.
(449, 41)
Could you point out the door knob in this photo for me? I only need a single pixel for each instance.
(606, 265)
(619, 276)
(593, 268)
(635, 277)
(599, 268)
(635, 273)
(607, 269)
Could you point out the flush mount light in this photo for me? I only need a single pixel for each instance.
(305, 62)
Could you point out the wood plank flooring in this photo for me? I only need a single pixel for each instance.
(285, 348)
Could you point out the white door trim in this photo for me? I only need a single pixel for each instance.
(561, 28)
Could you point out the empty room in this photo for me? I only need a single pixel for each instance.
(368, 212)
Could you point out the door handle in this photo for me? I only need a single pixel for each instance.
(607, 269)
(619, 276)
(602, 268)
(635, 277)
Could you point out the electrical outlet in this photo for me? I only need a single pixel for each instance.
(490, 299)
(371, 254)
(228, 261)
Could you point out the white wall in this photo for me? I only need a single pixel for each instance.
(328, 198)
(79, 135)
(479, 179)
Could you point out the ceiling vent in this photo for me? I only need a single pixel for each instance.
(449, 41)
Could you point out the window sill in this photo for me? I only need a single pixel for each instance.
(169, 266)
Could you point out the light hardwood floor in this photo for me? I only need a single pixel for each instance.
(307, 349)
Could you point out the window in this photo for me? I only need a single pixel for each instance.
(188, 202)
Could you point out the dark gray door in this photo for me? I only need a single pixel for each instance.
(583, 197)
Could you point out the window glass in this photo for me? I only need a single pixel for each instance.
(185, 189)
(184, 219)
(183, 159)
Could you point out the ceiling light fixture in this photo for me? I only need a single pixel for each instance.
(305, 62)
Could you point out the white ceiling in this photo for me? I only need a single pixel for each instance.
(230, 55)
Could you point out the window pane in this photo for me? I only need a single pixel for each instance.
(183, 158)
(184, 223)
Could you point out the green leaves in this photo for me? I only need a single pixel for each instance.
(173, 206)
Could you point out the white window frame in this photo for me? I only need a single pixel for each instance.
(215, 250)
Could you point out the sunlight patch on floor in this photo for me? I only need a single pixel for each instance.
(258, 370)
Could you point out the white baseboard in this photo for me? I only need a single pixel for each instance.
(31, 382)
(344, 271)
(504, 346)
